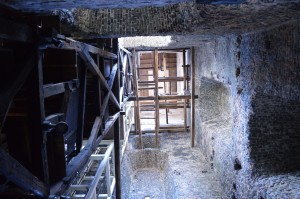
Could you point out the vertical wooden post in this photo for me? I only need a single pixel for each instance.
(193, 96)
(156, 96)
(117, 137)
(81, 104)
(137, 104)
(184, 88)
(117, 158)
(165, 89)
(42, 108)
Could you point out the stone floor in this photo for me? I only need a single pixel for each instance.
(189, 172)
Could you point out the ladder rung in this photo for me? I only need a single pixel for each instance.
(145, 67)
(97, 156)
(78, 196)
(149, 88)
(145, 82)
(80, 187)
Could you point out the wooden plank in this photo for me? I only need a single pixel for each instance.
(54, 89)
(193, 97)
(79, 46)
(12, 170)
(11, 30)
(156, 96)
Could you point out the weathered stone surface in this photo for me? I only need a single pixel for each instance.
(183, 18)
(186, 172)
(258, 74)
(47, 5)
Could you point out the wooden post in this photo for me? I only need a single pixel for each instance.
(184, 88)
(165, 89)
(156, 96)
(193, 97)
(117, 158)
(81, 105)
(137, 104)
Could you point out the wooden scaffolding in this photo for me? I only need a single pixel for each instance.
(152, 95)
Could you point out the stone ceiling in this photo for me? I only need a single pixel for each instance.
(185, 17)
(47, 5)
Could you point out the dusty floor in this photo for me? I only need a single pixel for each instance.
(185, 174)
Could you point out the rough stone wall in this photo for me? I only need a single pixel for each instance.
(275, 135)
(258, 76)
(275, 120)
(215, 86)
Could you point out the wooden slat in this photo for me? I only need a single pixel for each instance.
(12, 170)
(193, 97)
(156, 96)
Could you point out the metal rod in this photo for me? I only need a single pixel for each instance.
(184, 87)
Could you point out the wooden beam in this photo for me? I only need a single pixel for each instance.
(90, 63)
(54, 89)
(137, 103)
(80, 160)
(165, 85)
(193, 97)
(11, 30)
(81, 106)
(79, 46)
(125, 50)
(156, 96)
(12, 170)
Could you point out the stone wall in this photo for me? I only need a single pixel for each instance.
(258, 76)
(274, 124)
(275, 135)
(215, 85)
